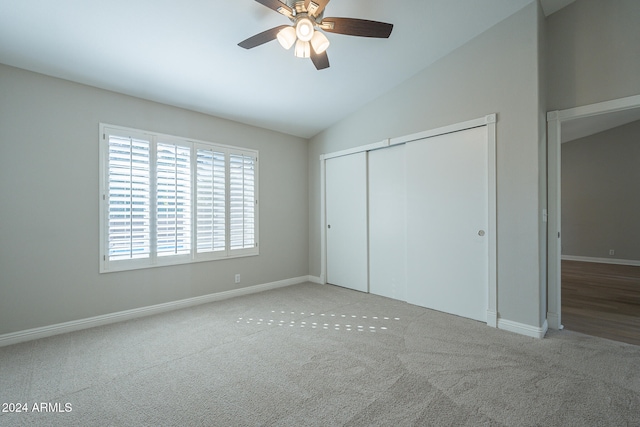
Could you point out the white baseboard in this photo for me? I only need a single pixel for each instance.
(315, 279)
(601, 260)
(522, 329)
(492, 319)
(76, 325)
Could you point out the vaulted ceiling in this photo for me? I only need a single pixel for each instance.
(185, 53)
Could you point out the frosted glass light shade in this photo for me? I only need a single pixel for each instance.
(287, 37)
(320, 42)
(304, 29)
(303, 49)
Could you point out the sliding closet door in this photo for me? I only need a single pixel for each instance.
(346, 221)
(387, 241)
(447, 223)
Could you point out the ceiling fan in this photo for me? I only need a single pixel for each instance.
(308, 19)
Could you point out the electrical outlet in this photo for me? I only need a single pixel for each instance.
(611, 252)
(237, 278)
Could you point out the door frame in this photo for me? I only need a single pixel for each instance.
(555, 119)
(490, 121)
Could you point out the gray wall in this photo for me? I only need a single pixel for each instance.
(498, 72)
(49, 209)
(601, 194)
(593, 52)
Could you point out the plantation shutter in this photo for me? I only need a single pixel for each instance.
(242, 201)
(211, 201)
(128, 198)
(167, 200)
(173, 199)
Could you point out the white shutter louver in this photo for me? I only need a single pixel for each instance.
(242, 201)
(129, 212)
(173, 199)
(211, 201)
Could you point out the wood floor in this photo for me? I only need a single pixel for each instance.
(602, 300)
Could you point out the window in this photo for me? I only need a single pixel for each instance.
(168, 200)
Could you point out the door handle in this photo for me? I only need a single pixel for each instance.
(481, 233)
(328, 225)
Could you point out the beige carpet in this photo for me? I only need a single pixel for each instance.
(312, 355)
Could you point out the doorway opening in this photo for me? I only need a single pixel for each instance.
(563, 126)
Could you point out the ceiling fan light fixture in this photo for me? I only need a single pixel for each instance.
(287, 37)
(320, 42)
(303, 49)
(307, 28)
(304, 29)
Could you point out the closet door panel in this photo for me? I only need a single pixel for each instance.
(346, 221)
(387, 228)
(447, 223)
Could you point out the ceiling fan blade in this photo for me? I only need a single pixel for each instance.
(262, 38)
(357, 27)
(315, 7)
(278, 6)
(320, 60)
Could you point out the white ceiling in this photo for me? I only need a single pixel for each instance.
(586, 126)
(185, 53)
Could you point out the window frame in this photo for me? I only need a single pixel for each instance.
(153, 260)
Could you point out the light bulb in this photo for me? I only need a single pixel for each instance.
(287, 37)
(304, 29)
(303, 49)
(320, 42)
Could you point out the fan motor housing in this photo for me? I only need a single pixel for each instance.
(300, 8)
